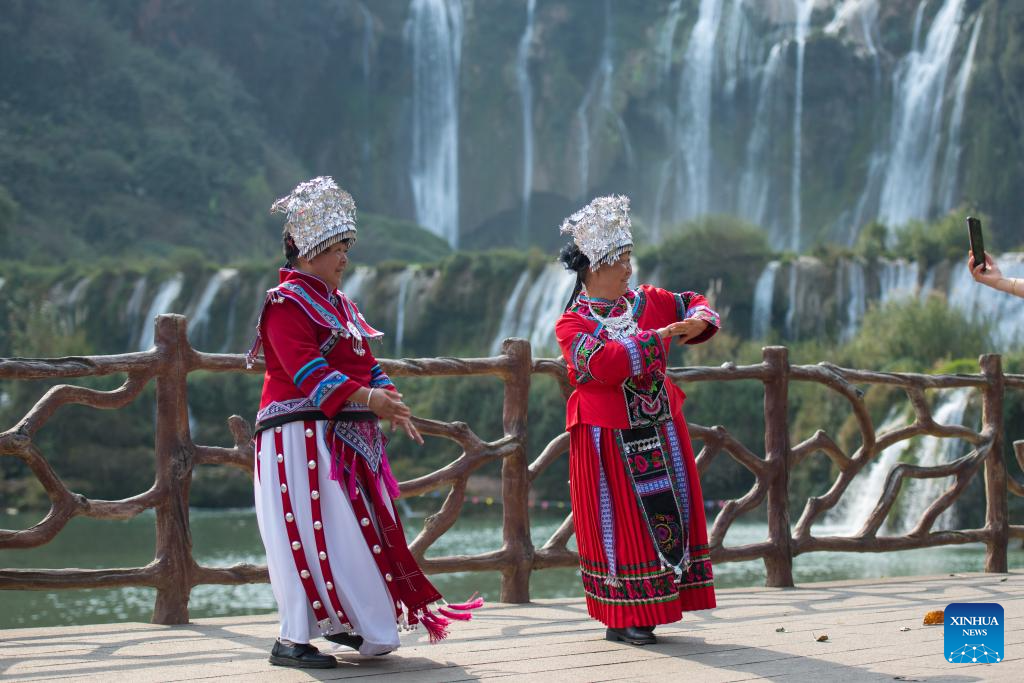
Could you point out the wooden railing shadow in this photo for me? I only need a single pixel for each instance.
(174, 571)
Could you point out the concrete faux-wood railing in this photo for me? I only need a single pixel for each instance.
(174, 572)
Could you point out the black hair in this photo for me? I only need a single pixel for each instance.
(575, 260)
(291, 252)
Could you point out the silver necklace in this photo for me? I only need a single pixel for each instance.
(618, 326)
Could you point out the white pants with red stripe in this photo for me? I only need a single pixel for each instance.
(357, 583)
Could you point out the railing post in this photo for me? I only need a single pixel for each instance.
(778, 563)
(997, 523)
(515, 480)
(173, 560)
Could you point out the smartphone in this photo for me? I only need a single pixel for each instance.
(977, 243)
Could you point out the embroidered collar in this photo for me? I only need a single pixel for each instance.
(588, 305)
(308, 280)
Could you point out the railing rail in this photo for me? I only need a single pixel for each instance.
(173, 571)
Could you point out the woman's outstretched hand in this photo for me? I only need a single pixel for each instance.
(409, 428)
(684, 330)
(387, 405)
(991, 275)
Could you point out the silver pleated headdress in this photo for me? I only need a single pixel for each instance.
(601, 229)
(319, 213)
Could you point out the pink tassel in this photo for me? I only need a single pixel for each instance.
(390, 483)
(437, 629)
(469, 604)
(461, 616)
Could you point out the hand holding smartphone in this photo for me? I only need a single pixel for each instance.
(977, 243)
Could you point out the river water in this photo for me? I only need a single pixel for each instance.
(224, 537)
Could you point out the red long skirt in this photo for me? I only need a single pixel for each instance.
(647, 595)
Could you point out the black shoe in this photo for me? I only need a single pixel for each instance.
(648, 629)
(631, 635)
(347, 639)
(300, 656)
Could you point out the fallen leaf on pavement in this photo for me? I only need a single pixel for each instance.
(822, 638)
(934, 618)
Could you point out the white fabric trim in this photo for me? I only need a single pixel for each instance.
(360, 587)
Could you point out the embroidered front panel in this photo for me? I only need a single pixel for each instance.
(605, 501)
(584, 347)
(658, 587)
(327, 386)
(365, 438)
(644, 454)
(647, 401)
(677, 470)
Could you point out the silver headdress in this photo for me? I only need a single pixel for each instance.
(601, 229)
(320, 214)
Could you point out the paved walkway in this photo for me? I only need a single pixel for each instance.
(554, 641)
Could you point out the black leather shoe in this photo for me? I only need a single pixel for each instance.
(648, 629)
(300, 656)
(347, 639)
(631, 635)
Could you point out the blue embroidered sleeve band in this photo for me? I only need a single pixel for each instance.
(306, 370)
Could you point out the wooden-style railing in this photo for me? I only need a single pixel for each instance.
(174, 572)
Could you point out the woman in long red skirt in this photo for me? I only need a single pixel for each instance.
(636, 498)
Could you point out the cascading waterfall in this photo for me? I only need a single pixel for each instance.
(804, 9)
(764, 296)
(861, 496)
(353, 285)
(367, 52)
(526, 102)
(856, 298)
(435, 31)
(663, 110)
(791, 298)
(691, 146)
(898, 280)
(510, 315)
(951, 165)
(199, 315)
(918, 494)
(755, 180)
(600, 88)
(403, 295)
(916, 129)
(165, 297)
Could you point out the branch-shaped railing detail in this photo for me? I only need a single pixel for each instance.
(174, 572)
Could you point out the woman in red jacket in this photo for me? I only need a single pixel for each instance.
(636, 499)
(338, 561)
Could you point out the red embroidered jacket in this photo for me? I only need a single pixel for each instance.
(314, 340)
(622, 384)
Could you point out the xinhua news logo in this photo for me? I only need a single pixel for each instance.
(974, 633)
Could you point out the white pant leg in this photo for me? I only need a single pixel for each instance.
(360, 588)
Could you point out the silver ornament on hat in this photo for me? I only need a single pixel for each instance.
(601, 229)
(319, 214)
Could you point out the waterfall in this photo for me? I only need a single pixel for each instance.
(861, 496)
(951, 165)
(791, 298)
(367, 51)
(526, 102)
(916, 128)
(435, 30)
(691, 147)
(600, 87)
(199, 316)
(754, 180)
(804, 9)
(133, 308)
(738, 53)
(918, 494)
(403, 294)
(663, 112)
(162, 302)
(353, 285)
(532, 309)
(1001, 312)
(898, 280)
(856, 302)
(764, 295)
(510, 316)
